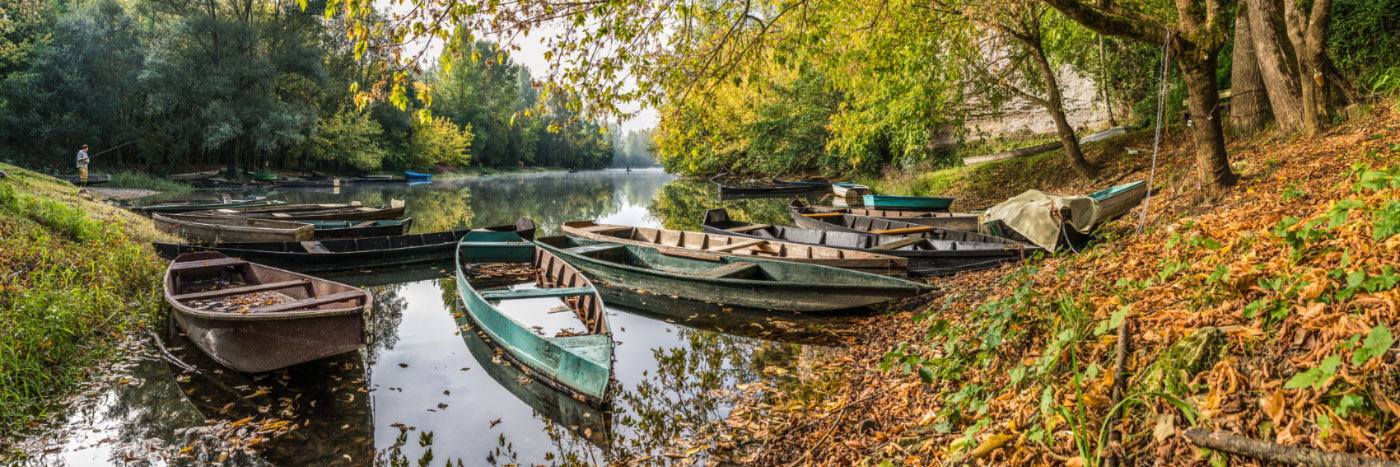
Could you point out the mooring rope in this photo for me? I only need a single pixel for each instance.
(1157, 140)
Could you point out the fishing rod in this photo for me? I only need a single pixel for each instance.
(114, 147)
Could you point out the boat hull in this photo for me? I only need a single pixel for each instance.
(381, 228)
(860, 223)
(817, 293)
(1118, 200)
(216, 229)
(193, 176)
(906, 203)
(178, 208)
(345, 253)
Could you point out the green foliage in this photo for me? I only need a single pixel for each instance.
(1315, 377)
(439, 141)
(1377, 343)
(348, 139)
(146, 182)
(1363, 39)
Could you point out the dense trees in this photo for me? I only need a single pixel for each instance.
(253, 84)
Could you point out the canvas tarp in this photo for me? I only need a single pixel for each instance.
(1040, 216)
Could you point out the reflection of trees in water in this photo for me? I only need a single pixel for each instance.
(681, 205)
(382, 330)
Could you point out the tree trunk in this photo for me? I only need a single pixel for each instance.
(1104, 85)
(1212, 163)
(1249, 101)
(1275, 64)
(1055, 104)
(1309, 38)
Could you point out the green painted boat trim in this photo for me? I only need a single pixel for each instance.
(261, 175)
(580, 363)
(535, 293)
(1110, 191)
(906, 202)
(762, 284)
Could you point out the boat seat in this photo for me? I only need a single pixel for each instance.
(897, 244)
(747, 228)
(905, 230)
(739, 245)
(310, 302)
(586, 249)
(603, 229)
(243, 290)
(213, 263)
(363, 224)
(313, 246)
(728, 270)
(535, 293)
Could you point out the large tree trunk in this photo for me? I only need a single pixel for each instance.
(1055, 104)
(1276, 63)
(1212, 163)
(1309, 38)
(1249, 101)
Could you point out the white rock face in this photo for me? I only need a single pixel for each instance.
(1083, 106)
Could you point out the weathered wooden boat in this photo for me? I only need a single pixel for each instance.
(499, 244)
(217, 229)
(264, 176)
(315, 182)
(354, 229)
(573, 361)
(192, 206)
(1117, 200)
(559, 407)
(319, 212)
(847, 189)
(253, 318)
(415, 176)
(936, 252)
(726, 243)
(747, 282)
(192, 176)
(873, 220)
(906, 203)
(776, 189)
(376, 179)
(93, 179)
(333, 254)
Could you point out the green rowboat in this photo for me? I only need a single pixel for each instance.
(907, 203)
(756, 283)
(575, 362)
(266, 176)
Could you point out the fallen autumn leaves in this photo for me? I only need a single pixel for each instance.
(1268, 316)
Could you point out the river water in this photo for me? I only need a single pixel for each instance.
(424, 393)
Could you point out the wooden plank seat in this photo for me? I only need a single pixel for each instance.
(243, 290)
(211, 264)
(898, 243)
(739, 245)
(535, 293)
(586, 249)
(313, 246)
(310, 302)
(906, 230)
(747, 228)
(728, 270)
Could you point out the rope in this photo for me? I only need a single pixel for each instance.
(1157, 140)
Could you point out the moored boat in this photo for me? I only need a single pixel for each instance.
(776, 189)
(906, 203)
(573, 360)
(756, 283)
(253, 318)
(872, 220)
(353, 229)
(935, 252)
(725, 243)
(93, 179)
(1117, 200)
(305, 182)
(848, 190)
(216, 229)
(319, 212)
(416, 176)
(192, 176)
(192, 206)
(263, 176)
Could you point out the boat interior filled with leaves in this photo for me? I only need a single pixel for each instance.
(876, 220)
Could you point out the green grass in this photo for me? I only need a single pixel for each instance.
(75, 277)
(146, 182)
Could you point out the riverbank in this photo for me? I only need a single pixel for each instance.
(78, 276)
(1265, 312)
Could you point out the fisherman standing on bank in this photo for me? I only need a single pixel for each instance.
(82, 165)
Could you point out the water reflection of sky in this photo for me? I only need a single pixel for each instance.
(432, 401)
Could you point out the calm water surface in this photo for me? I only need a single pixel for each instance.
(425, 393)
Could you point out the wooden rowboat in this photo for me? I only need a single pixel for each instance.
(264, 176)
(775, 189)
(906, 203)
(192, 176)
(936, 252)
(860, 220)
(847, 190)
(216, 229)
(725, 243)
(93, 179)
(319, 212)
(355, 229)
(253, 318)
(415, 176)
(574, 361)
(315, 182)
(746, 282)
(189, 206)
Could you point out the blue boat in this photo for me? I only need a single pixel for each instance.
(907, 203)
(415, 176)
(578, 362)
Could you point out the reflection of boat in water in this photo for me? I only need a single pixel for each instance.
(325, 406)
(823, 330)
(555, 406)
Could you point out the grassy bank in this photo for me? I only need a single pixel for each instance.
(75, 276)
(1267, 312)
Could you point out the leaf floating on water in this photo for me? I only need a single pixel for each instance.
(403, 365)
(495, 422)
